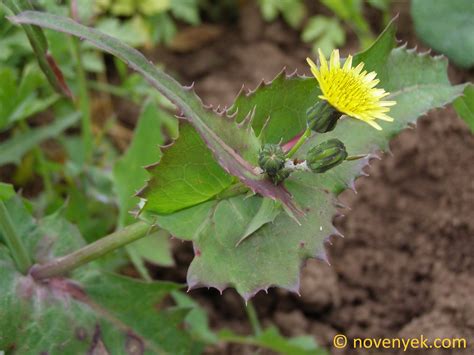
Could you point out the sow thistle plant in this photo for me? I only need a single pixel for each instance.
(345, 90)
(253, 187)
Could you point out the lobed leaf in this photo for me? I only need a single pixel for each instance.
(129, 176)
(234, 146)
(272, 255)
(447, 27)
(275, 106)
(274, 247)
(91, 312)
(185, 176)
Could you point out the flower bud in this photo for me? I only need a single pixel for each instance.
(326, 155)
(271, 158)
(280, 176)
(322, 117)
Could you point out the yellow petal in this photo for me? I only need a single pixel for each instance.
(373, 83)
(348, 64)
(358, 69)
(373, 124)
(383, 117)
(369, 77)
(351, 91)
(335, 60)
(323, 63)
(387, 103)
(311, 63)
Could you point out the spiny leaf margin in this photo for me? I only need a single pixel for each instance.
(255, 265)
(234, 146)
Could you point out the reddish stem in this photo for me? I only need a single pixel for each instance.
(291, 143)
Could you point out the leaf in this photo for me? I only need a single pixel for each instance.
(92, 312)
(272, 113)
(130, 34)
(129, 177)
(164, 29)
(8, 85)
(375, 57)
(186, 10)
(272, 255)
(19, 101)
(266, 213)
(348, 10)
(293, 11)
(12, 150)
(280, 113)
(152, 7)
(154, 248)
(447, 27)
(123, 8)
(185, 224)
(271, 339)
(93, 215)
(269, 9)
(23, 222)
(196, 321)
(382, 5)
(187, 175)
(6, 191)
(325, 33)
(40, 47)
(235, 147)
(345, 9)
(465, 106)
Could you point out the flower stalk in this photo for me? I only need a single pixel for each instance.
(64, 264)
(304, 137)
(253, 318)
(13, 240)
(356, 157)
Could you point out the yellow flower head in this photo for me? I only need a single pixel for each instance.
(350, 90)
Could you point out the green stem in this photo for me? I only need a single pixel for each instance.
(91, 252)
(300, 142)
(39, 45)
(42, 168)
(253, 318)
(356, 157)
(84, 101)
(13, 241)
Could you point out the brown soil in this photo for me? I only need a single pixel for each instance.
(406, 265)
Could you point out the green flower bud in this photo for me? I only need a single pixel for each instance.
(326, 155)
(322, 117)
(280, 176)
(271, 159)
